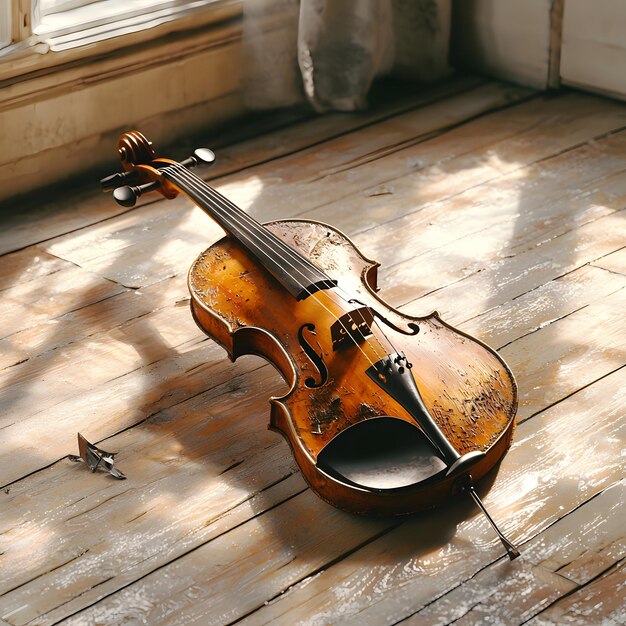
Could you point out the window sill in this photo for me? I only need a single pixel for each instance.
(46, 53)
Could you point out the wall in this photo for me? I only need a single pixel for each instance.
(593, 52)
(544, 43)
(507, 39)
(55, 124)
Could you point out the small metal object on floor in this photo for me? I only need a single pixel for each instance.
(96, 457)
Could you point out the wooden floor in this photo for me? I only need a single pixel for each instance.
(499, 207)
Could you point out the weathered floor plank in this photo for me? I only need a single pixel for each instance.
(557, 362)
(542, 305)
(512, 593)
(509, 278)
(526, 213)
(435, 172)
(43, 221)
(499, 208)
(22, 305)
(599, 602)
(392, 575)
(614, 262)
(199, 432)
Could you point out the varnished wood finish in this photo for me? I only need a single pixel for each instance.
(467, 388)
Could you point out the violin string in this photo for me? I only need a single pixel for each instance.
(201, 186)
(212, 194)
(380, 355)
(216, 197)
(205, 190)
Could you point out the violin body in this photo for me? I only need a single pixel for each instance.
(386, 414)
(378, 462)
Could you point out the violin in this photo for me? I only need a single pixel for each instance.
(386, 414)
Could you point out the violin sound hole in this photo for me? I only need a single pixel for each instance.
(315, 358)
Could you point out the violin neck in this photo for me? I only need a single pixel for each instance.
(295, 272)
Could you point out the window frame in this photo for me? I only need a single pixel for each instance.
(20, 14)
(30, 52)
(6, 31)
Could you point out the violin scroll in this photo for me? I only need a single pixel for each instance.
(134, 149)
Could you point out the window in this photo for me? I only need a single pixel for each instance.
(65, 24)
(70, 23)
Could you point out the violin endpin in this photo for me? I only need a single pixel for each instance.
(511, 550)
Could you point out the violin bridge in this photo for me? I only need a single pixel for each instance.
(353, 326)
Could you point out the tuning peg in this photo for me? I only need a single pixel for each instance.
(109, 183)
(201, 156)
(127, 196)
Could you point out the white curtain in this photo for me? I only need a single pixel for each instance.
(330, 51)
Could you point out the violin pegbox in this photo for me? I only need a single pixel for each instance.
(141, 169)
(137, 155)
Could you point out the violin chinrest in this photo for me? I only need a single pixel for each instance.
(381, 453)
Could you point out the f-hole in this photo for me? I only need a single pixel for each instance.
(315, 358)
